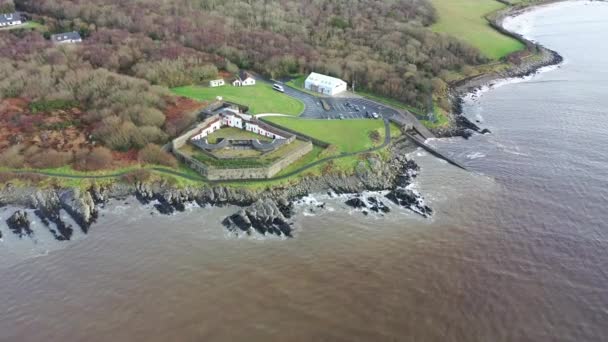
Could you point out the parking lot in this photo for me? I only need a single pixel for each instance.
(348, 108)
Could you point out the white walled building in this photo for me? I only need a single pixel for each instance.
(325, 84)
(66, 38)
(244, 79)
(212, 127)
(10, 19)
(216, 83)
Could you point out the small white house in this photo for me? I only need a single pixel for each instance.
(325, 84)
(217, 83)
(10, 19)
(243, 79)
(66, 38)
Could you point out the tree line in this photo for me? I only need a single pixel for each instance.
(385, 47)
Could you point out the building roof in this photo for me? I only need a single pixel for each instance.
(61, 37)
(9, 17)
(243, 75)
(324, 80)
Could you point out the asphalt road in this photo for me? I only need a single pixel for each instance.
(314, 109)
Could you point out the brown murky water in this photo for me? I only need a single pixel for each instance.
(517, 251)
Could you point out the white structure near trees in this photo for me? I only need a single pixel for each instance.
(10, 19)
(243, 79)
(325, 84)
(66, 38)
(235, 119)
(216, 83)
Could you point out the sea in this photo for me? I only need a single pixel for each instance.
(517, 249)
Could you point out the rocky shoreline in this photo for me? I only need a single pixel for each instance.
(266, 212)
(544, 57)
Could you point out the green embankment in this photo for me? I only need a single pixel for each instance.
(260, 98)
(465, 19)
(348, 135)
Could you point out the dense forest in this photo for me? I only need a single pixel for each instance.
(384, 46)
(117, 79)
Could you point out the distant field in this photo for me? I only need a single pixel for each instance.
(347, 135)
(260, 98)
(464, 19)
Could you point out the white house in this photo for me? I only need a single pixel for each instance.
(324, 84)
(217, 83)
(210, 128)
(10, 19)
(67, 37)
(243, 79)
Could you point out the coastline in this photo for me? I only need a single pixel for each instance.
(462, 126)
(268, 211)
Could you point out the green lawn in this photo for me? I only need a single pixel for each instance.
(347, 135)
(28, 25)
(260, 98)
(465, 19)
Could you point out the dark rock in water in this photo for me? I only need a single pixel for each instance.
(356, 202)
(286, 207)
(409, 199)
(19, 223)
(377, 205)
(61, 232)
(163, 206)
(264, 216)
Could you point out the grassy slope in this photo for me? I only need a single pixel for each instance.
(260, 98)
(465, 19)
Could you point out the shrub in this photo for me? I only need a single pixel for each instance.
(99, 158)
(12, 157)
(50, 158)
(137, 176)
(152, 154)
(375, 136)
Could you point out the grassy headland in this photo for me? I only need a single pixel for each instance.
(465, 19)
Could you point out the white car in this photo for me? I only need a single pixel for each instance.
(278, 87)
(375, 115)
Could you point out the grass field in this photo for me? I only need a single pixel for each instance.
(260, 98)
(28, 25)
(465, 19)
(347, 135)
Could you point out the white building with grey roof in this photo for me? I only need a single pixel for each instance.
(67, 37)
(10, 19)
(325, 84)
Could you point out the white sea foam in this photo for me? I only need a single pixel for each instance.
(475, 155)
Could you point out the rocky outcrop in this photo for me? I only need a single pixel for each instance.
(81, 207)
(47, 209)
(409, 199)
(264, 216)
(19, 224)
(373, 204)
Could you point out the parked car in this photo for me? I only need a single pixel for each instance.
(347, 104)
(357, 108)
(375, 115)
(341, 116)
(368, 114)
